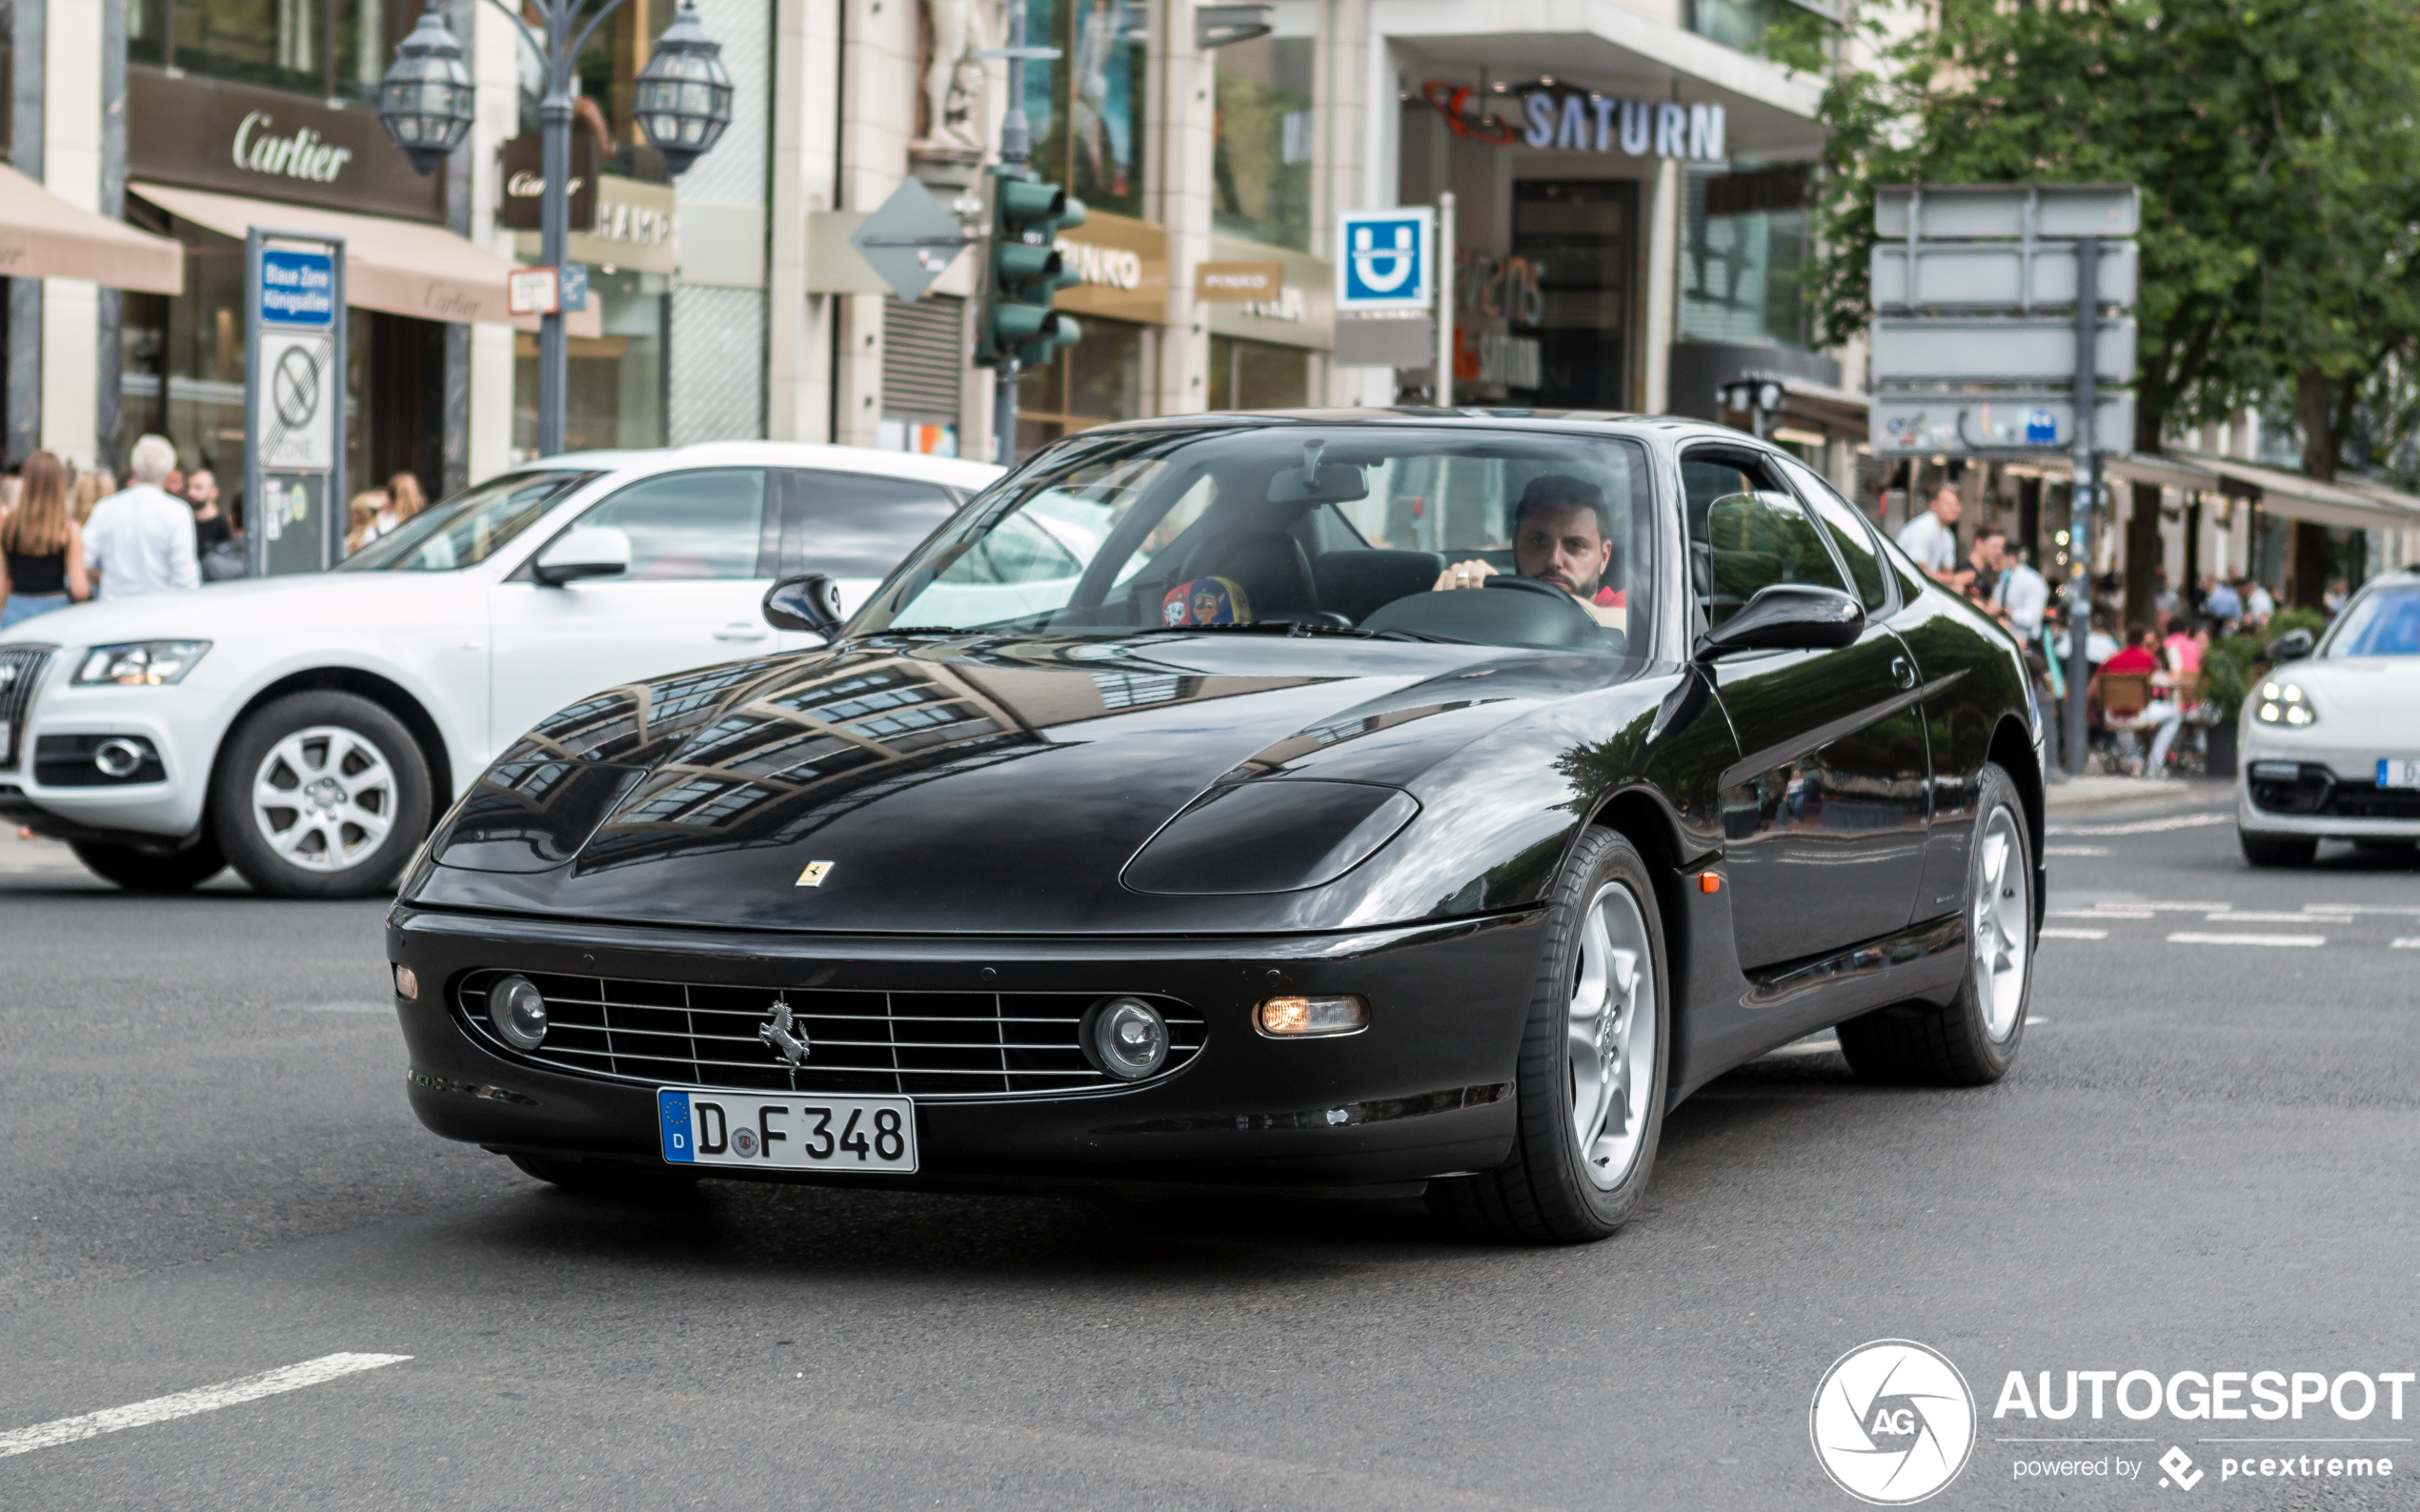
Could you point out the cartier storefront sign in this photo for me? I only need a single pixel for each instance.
(211, 133)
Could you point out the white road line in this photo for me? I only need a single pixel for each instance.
(2196, 936)
(2410, 942)
(2099, 912)
(2075, 850)
(2182, 821)
(2075, 933)
(2254, 917)
(186, 1403)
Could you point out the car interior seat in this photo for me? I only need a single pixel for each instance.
(1358, 583)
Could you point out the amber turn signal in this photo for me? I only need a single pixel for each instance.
(1302, 1018)
(407, 984)
(1709, 881)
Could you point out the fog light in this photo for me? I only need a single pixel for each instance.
(1127, 1038)
(119, 757)
(407, 983)
(1300, 1018)
(517, 1010)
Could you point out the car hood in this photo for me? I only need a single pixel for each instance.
(218, 610)
(994, 786)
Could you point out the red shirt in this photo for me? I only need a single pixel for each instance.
(2132, 662)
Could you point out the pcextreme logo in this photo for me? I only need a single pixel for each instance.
(1892, 1423)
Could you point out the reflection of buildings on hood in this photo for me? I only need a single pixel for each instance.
(761, 753)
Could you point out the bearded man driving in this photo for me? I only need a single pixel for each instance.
(1562, 534)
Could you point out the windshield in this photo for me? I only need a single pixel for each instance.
(466, 529)
(1495, 537)
(2385, 623)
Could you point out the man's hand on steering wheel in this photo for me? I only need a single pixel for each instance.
(1472, 574)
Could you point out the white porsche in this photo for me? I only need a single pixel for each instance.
(2330, 739)
(307, 730)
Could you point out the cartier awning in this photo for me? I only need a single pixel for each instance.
(44, 236)
(402, 266)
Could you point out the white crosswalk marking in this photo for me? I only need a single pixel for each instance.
(2075, 933)
(2197, 936)
(186, 1403)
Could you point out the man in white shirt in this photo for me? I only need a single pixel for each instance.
(1931, 538)
(2024, 594)
(140, 540)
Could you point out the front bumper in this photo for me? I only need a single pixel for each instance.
(163, 804)
(2294, 787)
(1427, 1091)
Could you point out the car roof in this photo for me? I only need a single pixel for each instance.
(1599, 421)
(949, 471)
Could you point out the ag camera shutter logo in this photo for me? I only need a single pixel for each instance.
(1892, 1423)
(1386, 259)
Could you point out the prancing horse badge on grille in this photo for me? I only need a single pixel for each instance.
(788, 1041)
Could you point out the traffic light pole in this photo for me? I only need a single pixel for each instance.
(1017, 149)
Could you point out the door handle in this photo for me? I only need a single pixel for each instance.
(742, 630)
(1903, 672)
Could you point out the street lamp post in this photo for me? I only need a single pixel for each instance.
(682, 102)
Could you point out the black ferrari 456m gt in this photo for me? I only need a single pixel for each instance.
(1321, 800)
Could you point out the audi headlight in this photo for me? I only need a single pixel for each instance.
(139, 663)
(2285, 703)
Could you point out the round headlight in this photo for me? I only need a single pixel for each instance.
(1127, 1038)
(517, 1010)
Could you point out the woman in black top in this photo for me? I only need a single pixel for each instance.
(41, 549)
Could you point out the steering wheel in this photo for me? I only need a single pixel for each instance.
(1530, 585)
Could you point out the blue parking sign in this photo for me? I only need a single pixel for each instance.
(1386, 259)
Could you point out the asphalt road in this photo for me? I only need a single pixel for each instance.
(2207, 1159)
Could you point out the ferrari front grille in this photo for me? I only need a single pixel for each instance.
(918, 1043)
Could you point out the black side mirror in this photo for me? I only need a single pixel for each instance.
(1788, 616)
(809, 601)
(2292, 646)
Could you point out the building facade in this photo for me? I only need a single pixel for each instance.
(1630, 180)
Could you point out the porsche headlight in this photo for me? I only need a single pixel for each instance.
(139, 663)
(2285, 703)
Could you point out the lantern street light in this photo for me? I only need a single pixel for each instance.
(684, 105)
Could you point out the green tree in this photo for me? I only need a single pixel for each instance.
(2275, 148)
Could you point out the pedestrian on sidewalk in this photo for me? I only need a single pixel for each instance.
(1931, 539)
(41, 549)
(140, 540)
(2141, 659)
(91, 487)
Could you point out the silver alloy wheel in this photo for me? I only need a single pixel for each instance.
(2003, 926)
(1610, 1036)
(325, 798)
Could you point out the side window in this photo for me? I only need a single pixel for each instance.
(695, 525)
(1848, 534)
(855, 524)
(1751, 542)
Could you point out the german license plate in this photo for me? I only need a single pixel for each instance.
(2399, 772)
(785, 1131)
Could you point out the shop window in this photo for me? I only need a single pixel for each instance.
(608, 75)
(615, 394)
(1258, 375)
(1087, 116)
(1744, 255)
(1262, 163)
(1097, 380)
(335, 48)
(1734, 23)
(1581, 236)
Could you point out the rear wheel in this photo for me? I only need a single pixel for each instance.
(616, 1178)
(141, 870)
(1591, 1077)
(1973, 1039)
(320, 795)
(2277, 850)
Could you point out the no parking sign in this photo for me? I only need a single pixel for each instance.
(294, 400)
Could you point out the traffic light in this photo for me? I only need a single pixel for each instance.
(1025, 273)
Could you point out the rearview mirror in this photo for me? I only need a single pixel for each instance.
(1788, 616)
(590, 551)
(809, 601)
(2292, 646)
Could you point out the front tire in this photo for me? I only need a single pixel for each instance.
(1972, 1039)
(320, 795)
(2278, 849)
(141, 870)
(1591, 1080)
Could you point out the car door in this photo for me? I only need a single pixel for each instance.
(701, 554)
(854, 527)
(1825, 808)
